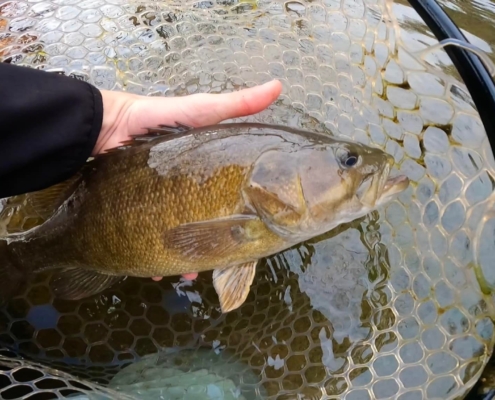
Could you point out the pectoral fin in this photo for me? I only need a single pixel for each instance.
(78, 283)
(213, 238)
(233, 284)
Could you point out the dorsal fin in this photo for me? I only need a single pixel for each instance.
(152, 134)
(24, 212)
(161, 130)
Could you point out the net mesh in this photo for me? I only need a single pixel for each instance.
(394, 305)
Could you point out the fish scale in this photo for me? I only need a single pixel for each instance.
(413, 300)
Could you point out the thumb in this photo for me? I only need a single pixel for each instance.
(201, 109)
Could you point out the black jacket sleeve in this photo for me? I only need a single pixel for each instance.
(49, 125)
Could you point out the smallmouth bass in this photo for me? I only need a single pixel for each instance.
(182, 200)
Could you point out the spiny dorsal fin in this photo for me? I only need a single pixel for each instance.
(152, 134)
(161, 130)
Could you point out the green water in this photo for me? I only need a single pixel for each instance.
(476, 19)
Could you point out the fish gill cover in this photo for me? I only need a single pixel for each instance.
(395, 305)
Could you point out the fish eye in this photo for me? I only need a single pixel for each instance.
(351, 161)
(347, 158)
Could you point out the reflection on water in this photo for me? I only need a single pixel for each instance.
(315, 313)
(385, 307)
(475, 18)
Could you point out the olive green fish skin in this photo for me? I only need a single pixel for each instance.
(292, 183)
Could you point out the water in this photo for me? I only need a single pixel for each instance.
(390, 306)
(474, 18)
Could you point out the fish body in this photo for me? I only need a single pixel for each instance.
(213, 198)
(351, 66)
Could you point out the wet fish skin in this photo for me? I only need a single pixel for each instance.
(215, 198)
(233, 54)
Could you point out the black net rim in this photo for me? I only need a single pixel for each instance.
(473, 72)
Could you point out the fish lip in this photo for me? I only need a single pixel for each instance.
(382, 188)
(394, 185)
(384, 177)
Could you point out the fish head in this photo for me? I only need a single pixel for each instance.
(347, 180)
(310, 190)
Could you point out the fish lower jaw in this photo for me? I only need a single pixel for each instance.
(392, 188)
(395, 185)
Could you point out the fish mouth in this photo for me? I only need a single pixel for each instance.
(379, 188)
(394, 186)
(372, 186)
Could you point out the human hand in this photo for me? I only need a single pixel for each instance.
(126, 114)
